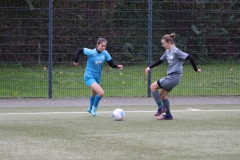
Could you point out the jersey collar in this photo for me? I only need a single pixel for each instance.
(97, 50)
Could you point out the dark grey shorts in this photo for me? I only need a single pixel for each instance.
(169, 82)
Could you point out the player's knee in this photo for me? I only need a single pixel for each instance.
(101, 93)
(163, 96)
(153, 88)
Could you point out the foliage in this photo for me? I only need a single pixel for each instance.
(206, 29)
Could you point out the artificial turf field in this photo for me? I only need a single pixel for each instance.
(48, 133)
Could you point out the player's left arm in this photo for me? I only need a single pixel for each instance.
(113, 65)
(110, 62)
(190, 58)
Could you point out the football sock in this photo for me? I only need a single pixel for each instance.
(167, 105)
(157, 98)
(96, 101)
(91, 101)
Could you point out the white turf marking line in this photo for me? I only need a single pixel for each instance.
(193, 109)
(48, 113)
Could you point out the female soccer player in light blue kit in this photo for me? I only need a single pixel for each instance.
(92, 76)
(175, 58)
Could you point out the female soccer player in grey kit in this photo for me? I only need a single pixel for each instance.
(175, 58)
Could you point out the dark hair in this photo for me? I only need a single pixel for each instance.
(100, 40)
(169, 38)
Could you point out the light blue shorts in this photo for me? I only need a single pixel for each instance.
(91, 80)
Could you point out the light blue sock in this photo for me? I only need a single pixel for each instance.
(91, 104)
(97, 99)
(157, 98)
(91, 101)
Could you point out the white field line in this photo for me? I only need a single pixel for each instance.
(48, 113)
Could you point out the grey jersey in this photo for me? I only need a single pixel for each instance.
(175, 59)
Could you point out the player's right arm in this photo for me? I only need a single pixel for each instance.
(158, 62)
(153, 65)
(76, 57)
(85, 51)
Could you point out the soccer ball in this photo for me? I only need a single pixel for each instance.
(118, 114)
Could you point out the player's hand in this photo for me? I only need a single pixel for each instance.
(75, 64)
(147, 70)
(120, 66)
(199, 70)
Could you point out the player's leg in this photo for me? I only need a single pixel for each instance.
(168, 84)
(97, 93)
(163, 95)
(96, 88)
(92, 99)
(89, 81)
(166, 104)
(154, 89)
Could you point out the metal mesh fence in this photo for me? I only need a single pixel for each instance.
(206, 30)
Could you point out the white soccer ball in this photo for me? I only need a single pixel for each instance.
(118, 114)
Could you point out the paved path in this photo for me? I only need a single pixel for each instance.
(119, 101)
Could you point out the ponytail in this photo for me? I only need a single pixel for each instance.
(169, 38)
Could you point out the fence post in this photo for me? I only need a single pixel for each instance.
(149, 43)
(50, 52)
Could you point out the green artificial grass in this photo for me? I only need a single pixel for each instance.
(211, 132)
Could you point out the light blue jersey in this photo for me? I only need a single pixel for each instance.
(95, 62)
(175, 59)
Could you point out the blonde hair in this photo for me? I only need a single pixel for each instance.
(169, 37)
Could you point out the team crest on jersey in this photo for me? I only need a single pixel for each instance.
(102, 56)
(170, 57)
(98, 62)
